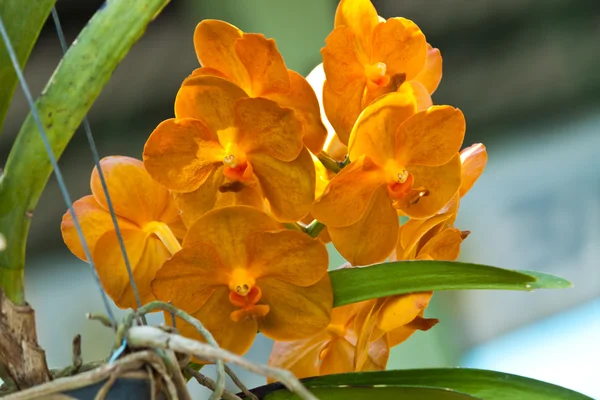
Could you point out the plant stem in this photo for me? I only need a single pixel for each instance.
(328, 162)
(315, 228)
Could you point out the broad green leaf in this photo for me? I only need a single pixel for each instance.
(488, 385)
(374, 393)
(351, 285)
(23, 21)
(67, 97)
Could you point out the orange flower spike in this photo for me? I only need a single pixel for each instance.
(253, 63)
(332, 350)
(240, 272)
(148, 221)
(366, 57)
(222, 141)
(403, 160)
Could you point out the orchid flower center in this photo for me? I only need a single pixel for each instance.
(244, 293)
(400, 181)
(237, 167)
(375, 73)
(336, 330)
(164, 233)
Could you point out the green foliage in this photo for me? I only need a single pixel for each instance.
(351, 285)
(23, 21)
(67, 97)
(435, 383)
(379, 393)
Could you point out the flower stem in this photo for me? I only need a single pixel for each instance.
(314, 228)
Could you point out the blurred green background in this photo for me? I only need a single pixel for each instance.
(525, 75)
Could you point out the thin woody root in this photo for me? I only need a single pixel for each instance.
(152, 337)
(176, 312)
(209, 383)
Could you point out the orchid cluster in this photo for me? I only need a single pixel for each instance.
(229, 211)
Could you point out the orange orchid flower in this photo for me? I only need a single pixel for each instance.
(253, 63)
(402, 160)
(224, 148)
(394, 317)
(435, 238)
(148, 220)
(333, 350)
(239, 272)
(366, 57)
(358, 338)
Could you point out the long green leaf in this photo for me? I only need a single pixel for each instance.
(69, 94)
(23, 20)
(488, 385)
(372, 393)
(351, 285)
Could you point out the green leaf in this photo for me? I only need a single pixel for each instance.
(23, 21)
(67, 97)
(371, 393)
(488, 385)
(351, 285)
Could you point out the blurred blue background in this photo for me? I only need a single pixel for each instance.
(525, 75)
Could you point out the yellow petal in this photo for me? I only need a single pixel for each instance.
(209, 99)
(373, 238)
(94, 220)
(301, 357)
(401, 46)
(190, 277)
(265, 66)
(295, 312)
(431, 137)
(111, 269)
(216, 192)
(172, 217)
(365, 328)
(431, 74)
(181, 153)
(290, 256)
(441, 183)
(375, 130)
(415, 229)
(417, 91)
(236, 337)
(302, 99)
(349, 193)
(378, 354)
(154, 256)
(134, 194)
(208, 71)
(443, 246)
(400, 310)
(341, 61)
(338, 358)
(402, 333)
(473, 159)
(226, 230)
(343, 109)
(264, 127)
(214, 42)
(360, 17)
(288, 186)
